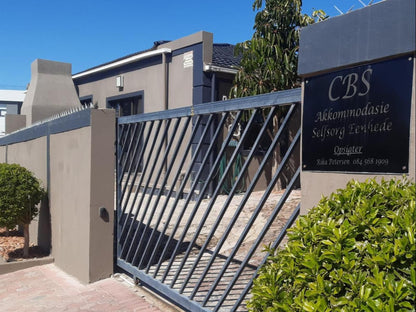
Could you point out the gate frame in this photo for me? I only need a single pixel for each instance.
(281, 98)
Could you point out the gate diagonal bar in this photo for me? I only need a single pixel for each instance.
(201, 191)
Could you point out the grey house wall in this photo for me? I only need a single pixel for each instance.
(383, 31)
(169, 80)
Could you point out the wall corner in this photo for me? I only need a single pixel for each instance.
(102, 194)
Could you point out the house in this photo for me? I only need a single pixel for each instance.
(171, 74)
(10, 103)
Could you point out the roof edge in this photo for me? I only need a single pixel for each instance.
(121, 62)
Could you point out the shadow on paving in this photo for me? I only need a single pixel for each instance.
(137, 236)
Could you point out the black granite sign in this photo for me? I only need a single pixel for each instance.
(358, 119)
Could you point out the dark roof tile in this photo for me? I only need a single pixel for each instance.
(223, 56)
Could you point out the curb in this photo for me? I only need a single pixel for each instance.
(9, 267)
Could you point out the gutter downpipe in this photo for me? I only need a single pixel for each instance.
(216, 69)
(211, 130)
(166, 102)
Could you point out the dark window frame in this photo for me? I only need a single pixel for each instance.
(85, 100)
(126, 96)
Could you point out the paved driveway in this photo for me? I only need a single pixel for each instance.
(46, 288)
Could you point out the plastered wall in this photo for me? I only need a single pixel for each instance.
(150, 75)
(32, 155)
(77, 169)
(70, 200)
(3, 150)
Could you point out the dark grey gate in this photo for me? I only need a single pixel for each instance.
(201, 190)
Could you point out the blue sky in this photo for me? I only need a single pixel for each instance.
(88, 33)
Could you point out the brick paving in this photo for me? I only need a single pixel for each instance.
(47, 288)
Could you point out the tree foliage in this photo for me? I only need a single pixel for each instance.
(20, 192)
(355, 251)
(269, 59)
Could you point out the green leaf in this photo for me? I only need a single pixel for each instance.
(350, 253)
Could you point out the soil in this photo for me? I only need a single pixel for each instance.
(11, 247)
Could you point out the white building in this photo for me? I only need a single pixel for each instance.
(10, 103)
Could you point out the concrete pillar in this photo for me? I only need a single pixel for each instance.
(358, 103)
(82, 198)
(51, 91)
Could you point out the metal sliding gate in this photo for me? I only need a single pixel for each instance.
(201, 191)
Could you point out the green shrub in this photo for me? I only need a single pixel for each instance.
(355, 251)
(20, 192)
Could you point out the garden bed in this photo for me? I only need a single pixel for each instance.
(11, 247)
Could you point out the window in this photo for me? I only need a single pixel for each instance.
(128, 104)
(125, 105)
